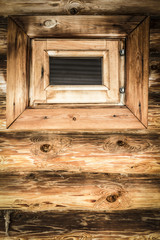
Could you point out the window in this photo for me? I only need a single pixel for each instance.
(36, 101)
(84, 51)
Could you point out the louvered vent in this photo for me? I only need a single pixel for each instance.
(75, 71)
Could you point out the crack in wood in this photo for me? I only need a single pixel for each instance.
(7, 222)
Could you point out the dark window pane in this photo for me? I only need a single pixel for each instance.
(75, 71)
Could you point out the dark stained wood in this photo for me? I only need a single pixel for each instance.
(137, 71)
(2, 223)
(88, 7)
(135, 152)
(104, 225)
(3, 35)
(17, 72)
(84, 26)
(53, 190)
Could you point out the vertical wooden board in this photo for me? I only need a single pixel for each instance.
(39, 72)
(17, 72)
(138, 71)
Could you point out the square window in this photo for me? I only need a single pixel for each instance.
(36, 99)
(103, 52)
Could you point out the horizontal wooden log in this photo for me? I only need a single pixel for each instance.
(124, 152)
(51, 190)
(129, 224)
(149, 7)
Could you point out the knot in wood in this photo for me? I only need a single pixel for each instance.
(45, 148)
(112, 198)
(73, 11)
(121, 143)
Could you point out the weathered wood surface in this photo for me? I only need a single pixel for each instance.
(135, 152)
(3, 69)
(137, 71)
(77, 119)
(129, 224)
(86, 26)
(21, 152)
(61, 7)
(17, 72)
(52, 190)
(154, 110)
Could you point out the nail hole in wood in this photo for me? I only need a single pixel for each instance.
(45, 117)
(73, 11)
(114, 115)
(74, 119)
(45, 148)
(111, 198)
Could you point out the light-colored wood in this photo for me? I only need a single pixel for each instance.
(82, 94)
(122, 72)
(84, 26)
(76, 119)
(138, 71)
(46, 70)
(79, 44)
(78, 53)
(109, 50)
(79, 96)
(17, 72)
(38, 83)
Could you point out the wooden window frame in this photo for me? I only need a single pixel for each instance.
(76, 117)
(45, 93)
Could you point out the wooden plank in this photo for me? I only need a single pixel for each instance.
(17, 72)
(129, 224)
(53, 190)
(84, 26)
(138, 71)
(39, 73)
(77, 119)
(149, 7)
(121, 152)
(78, 44)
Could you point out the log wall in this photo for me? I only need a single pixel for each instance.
(81, 185)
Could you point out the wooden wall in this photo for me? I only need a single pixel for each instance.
(81, 185)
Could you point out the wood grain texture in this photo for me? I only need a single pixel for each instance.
(84, 26)
(23, 7)
(137, 71)
(136, 152)
(77, 119)
(127, 224)
(3, 70)
(53, 190)
(17, 72)
(38, 82)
